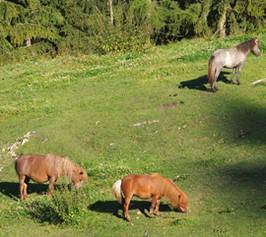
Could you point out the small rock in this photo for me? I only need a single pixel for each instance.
(169, 106)
(148, 122)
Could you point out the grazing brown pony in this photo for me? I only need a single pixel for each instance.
(233, 58)
(43, 168)
(152, 186)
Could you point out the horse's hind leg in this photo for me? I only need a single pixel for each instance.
(22, 187)
(214, 83)
(126, 206)
(26, 182)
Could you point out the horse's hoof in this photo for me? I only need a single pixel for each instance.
(214, 88)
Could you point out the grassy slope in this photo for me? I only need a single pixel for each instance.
(84, 107)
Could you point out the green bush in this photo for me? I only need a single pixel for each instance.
(41, 49)
(126, 35)
(64, 207)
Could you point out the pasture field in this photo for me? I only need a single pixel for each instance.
(122, 114)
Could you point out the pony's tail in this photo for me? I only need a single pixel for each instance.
(116, 190)
(211, 71)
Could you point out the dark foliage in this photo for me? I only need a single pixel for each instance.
(63, 26)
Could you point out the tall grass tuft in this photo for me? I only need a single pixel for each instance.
(64, 207)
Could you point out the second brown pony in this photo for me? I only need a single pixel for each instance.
(153, 186)
(43, 168)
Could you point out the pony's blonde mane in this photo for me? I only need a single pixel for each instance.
(64, 167)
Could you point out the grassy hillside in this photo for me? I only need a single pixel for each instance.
(124, 114)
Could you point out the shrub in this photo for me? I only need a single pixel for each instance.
(126, 35)
(65, 207)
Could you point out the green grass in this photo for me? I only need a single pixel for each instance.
(85, 107)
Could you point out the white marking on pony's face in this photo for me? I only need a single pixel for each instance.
(78, 185)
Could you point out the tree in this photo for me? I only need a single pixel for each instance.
(110, 6)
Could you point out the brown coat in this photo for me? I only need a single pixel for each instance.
(151, 186)
(43, 168)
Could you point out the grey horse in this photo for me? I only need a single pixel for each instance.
(233, 58)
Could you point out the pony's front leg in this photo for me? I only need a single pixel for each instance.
(153, 205)
(156, 211)
(125, 208)
(52, 181)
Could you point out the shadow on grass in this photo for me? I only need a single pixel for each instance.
(247, 183)
(242, 121)
(113, 207)
(11, 189)
(248, 174)
(42, 212)
(199, 82)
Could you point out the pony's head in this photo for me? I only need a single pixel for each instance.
(183, 202)
(78, 177)
(255, 47)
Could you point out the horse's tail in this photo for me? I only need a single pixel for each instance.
(211, 71)
(116, 190)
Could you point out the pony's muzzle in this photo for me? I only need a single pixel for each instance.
(78, 185)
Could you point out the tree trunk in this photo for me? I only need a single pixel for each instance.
(110, 5)
(28, 42)
(221, 23)
(201, 27)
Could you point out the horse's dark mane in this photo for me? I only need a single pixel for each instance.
(246, 46)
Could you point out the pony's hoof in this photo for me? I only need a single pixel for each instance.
(156, 213)
(150, 215)
(127, 219)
